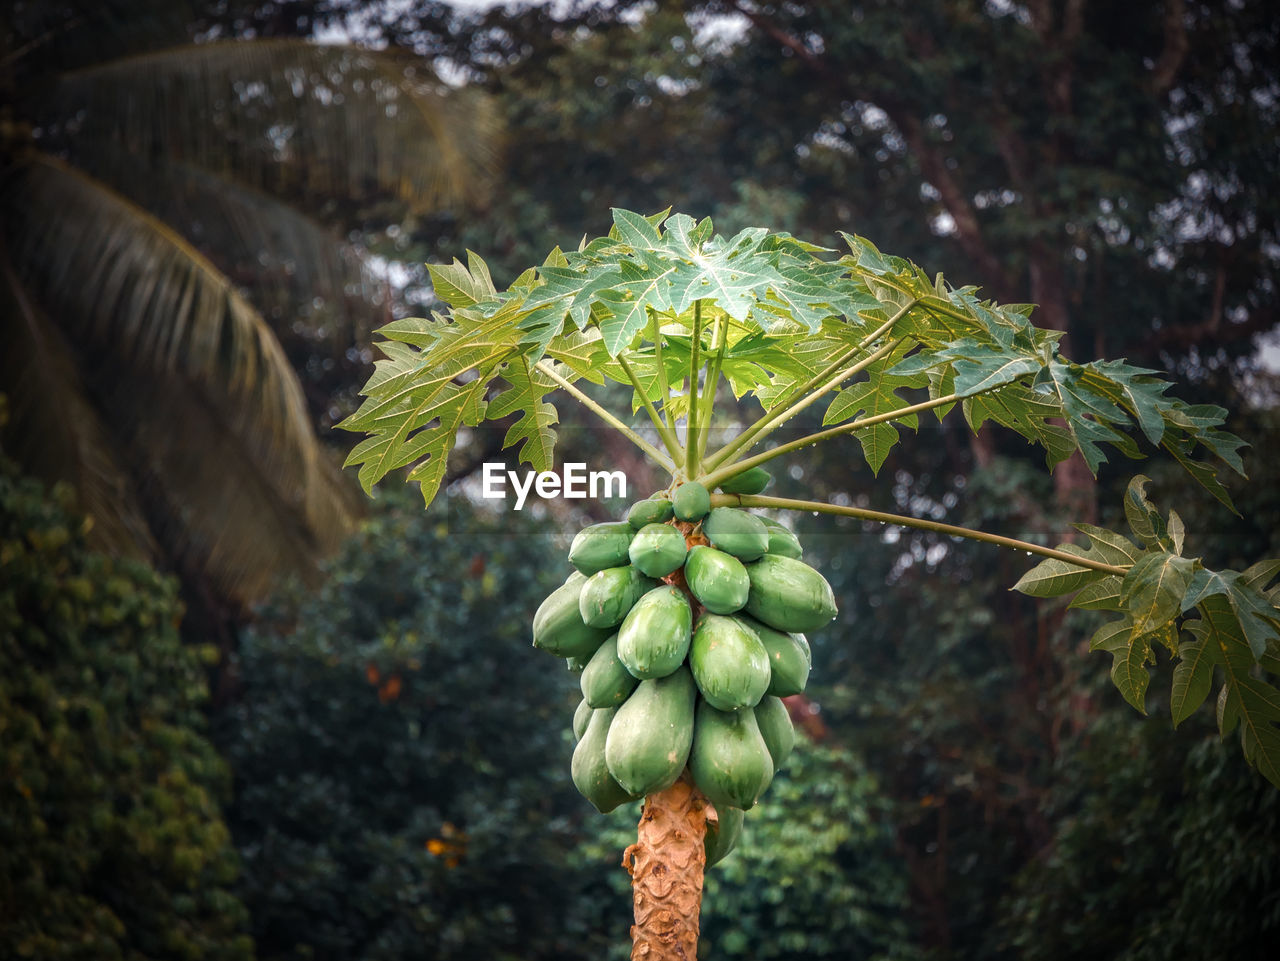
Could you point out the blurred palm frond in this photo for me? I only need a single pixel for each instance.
(298, 118)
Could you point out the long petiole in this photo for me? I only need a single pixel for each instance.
(657, 456)
(839, 378)
(728, 470)
(668, 436)
(691, 418)
(784, 503)
(662, 370)
(721, 331)
(783, 411)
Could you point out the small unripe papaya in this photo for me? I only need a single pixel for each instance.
(653, 510)
(657, 549)
(599, 546)
(729, 760)
(750, 481)
(776, 728)
(588, 769)
(789, 657)
(649, 738)
(608, 595)
(558, 626)
(718, 580)
(581, 717)
(789, 595)
(736, 532)
(605, 681)
(723, 832)
(691, 501)
(654, 637)
(729, 663)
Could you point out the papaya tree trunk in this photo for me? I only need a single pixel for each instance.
(666, 865)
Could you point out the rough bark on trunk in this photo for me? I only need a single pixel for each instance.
(666, 865)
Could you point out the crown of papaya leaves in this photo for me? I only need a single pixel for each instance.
(626, 307)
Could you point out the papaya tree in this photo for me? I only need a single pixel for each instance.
(687, 618)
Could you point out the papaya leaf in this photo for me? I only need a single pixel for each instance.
(1153, 589)
(1103, 595)
(1245, 700)
(532, 431)
(1021, 410)
(1144, 519)
(1110, 547)
(1256, 620)
(1088, 416)
(1134, 388)
(1131, 650)
(1110, 634)
(1192, 677)
(1260, 574)
(465, 408)
(978, 367)
(1053, 577)
(459, 286)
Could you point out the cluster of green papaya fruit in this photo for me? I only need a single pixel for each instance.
(686, 623)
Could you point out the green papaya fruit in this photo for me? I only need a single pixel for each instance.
(774, 721)
(649, 737)
(691, 501)
(657, 549)
(729, 663)
(588, 768)
(599, 546)
(729, 760)
(789, 595)
(789, 657)
(558, 627)
(723, 832)
(750, 481)
(581, 717)
(654, 637)
(784, 543)
(736, 532)
(607, 595)
(576, 665)
(652, 510)
(718, 580)
(605, 681)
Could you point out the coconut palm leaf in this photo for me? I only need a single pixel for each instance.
(233, 526)
(293, 117)
(54, 429)
(157, 331)
(284, 257)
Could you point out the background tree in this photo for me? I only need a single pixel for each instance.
(168, 211)
(112, 842)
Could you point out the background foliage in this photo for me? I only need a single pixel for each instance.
(399, 753)
(112, 841)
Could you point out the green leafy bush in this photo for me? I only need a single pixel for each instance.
(1159, 853)
(111, 841)
(399, 751)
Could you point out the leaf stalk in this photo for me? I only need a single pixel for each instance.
(658, 457)
(951, 530)
(800, 397)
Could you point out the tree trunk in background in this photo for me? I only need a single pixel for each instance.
(666, 866)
